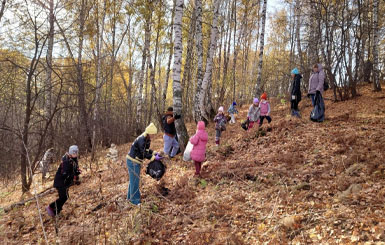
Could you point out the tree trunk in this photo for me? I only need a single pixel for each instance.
(376, 80)
(177, 88)
(139, 110)
(25, 168)
(2, 8)
(199, 76)
(189, 59)
(99, 84)
(152, 73)
(170, 34)
(261, 47)
(81, 88)
(304, 71)
(48, 82)
(209, 62)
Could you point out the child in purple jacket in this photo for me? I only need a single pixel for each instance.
(198, 153)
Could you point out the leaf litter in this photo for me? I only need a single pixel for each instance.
(294, 182)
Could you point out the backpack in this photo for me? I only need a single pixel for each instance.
(326, 84)
(164, 121)
(156, 169)
(245, 124)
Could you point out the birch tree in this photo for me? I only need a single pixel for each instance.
(98, 80)
(177, 88)
(209, 63)
(376, 81)
(199, 48)
(170, 35)
(48, 82)
(2, 8)
(261, 46)
(146, 49)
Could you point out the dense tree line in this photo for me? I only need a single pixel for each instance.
(93, 72)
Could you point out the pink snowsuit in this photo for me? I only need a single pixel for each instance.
(199, 140)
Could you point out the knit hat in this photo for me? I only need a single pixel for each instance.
(151, 129)
(256, 100)
(201, 125)
(234, 103)
(220, 109)
(74, 150)
(295, 71)
(264, 96)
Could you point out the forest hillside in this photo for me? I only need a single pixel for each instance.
(300, 182)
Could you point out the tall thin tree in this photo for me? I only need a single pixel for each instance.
(261, 47)
(376, 80)
(177, 88)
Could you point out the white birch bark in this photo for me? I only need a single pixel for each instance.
(99, 47)
(177, 88)
(261, 47)
(2, 8)
(199, 47)
(376, 81)
(165, 87)
(209, 60)
(139, 110)
(48, 81)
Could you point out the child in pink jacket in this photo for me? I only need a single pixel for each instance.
(198, 153)
(265, 109)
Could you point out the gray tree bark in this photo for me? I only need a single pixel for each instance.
(376, 80)
(177, 88)
(199, 47)
(209, 62)
(261, 47)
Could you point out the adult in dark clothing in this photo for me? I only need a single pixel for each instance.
(140, 150)
(295, 92)
(169, 137)
(66, 175)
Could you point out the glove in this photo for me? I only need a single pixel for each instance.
(158, 157)
(76, 180)
(78, 172)
(176, 116)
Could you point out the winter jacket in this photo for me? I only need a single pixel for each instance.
(296, 88)
(140, 149)
(316, 81)
(66, 172)
(199, 140)
(232, 109)
(220, 122)
(168, 121)
(254, 113)
(265, 108)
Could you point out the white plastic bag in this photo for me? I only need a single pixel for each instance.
(187, 152)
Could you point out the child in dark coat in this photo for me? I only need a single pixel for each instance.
(295, 92)
(66, 175)
(220, 125)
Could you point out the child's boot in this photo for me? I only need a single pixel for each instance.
(50, 211)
